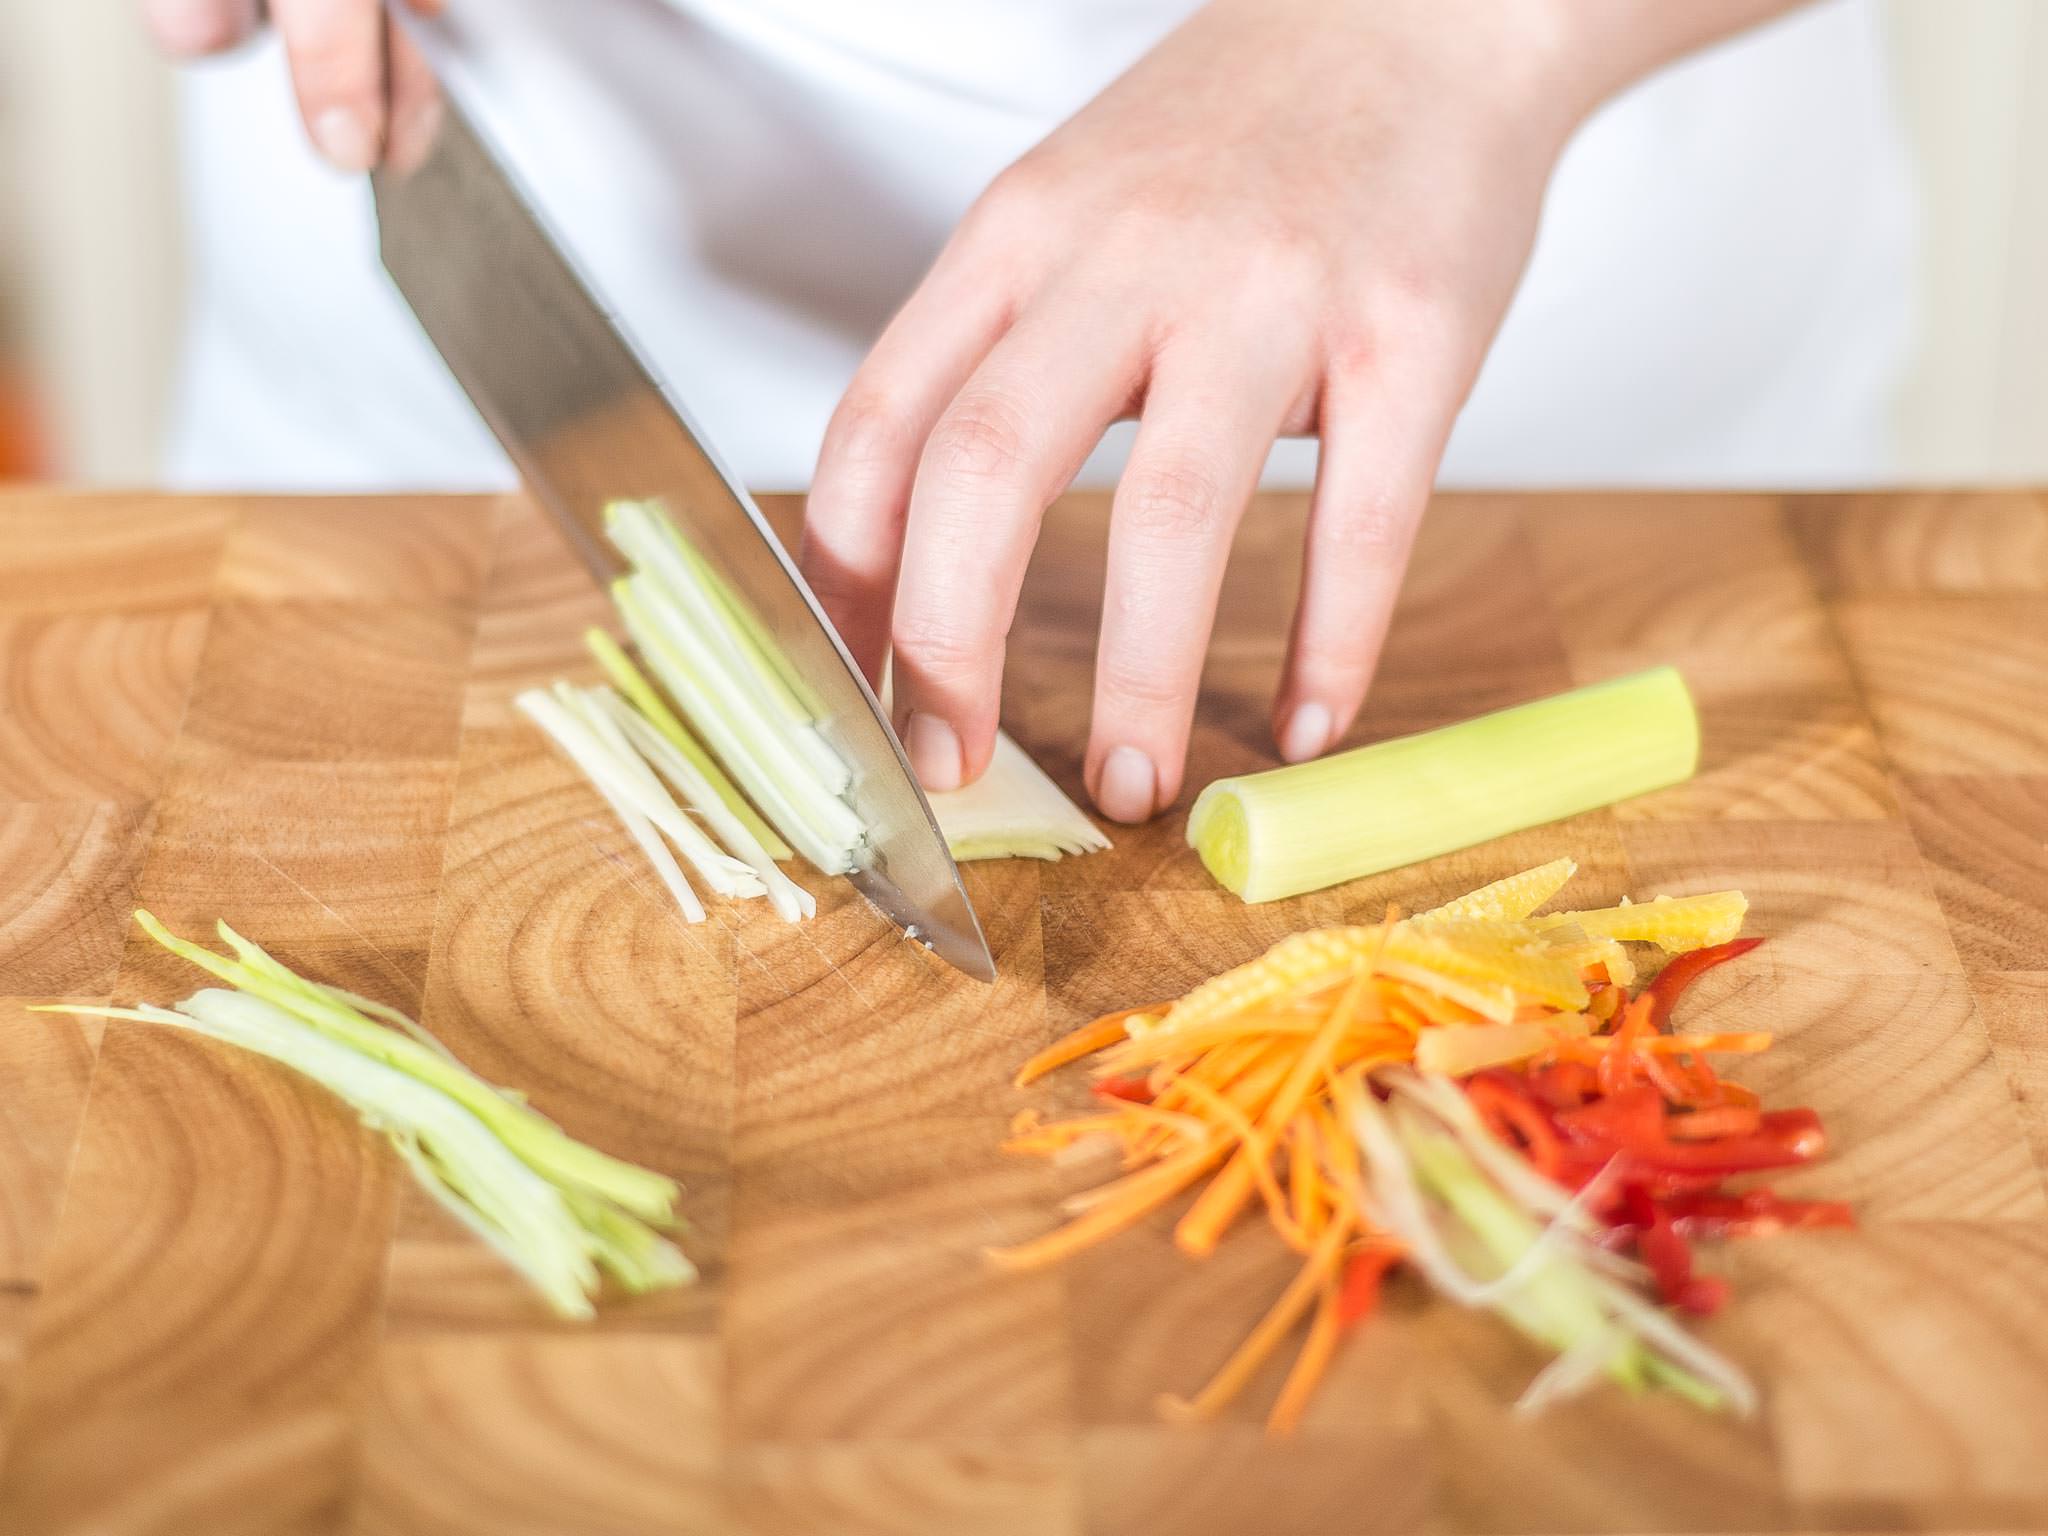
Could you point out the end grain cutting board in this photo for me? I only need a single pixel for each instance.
(223, 1310)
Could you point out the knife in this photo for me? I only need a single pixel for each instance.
(587, 422)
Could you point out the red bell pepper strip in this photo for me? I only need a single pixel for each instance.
(1515, 1118)
(1712, 1124)
(1132, 1090)
(1753, 1213)
(1683, 971)
(1669, 1259)
(1564, 1084)
(1358, 1294)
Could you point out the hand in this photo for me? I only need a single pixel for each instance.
(364, 89)
(1293, 216)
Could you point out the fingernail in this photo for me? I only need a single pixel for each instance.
(1308, 732)
(345, 139)
(934, 750)
(1129, 785)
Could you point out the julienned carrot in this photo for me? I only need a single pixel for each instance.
(1217, 1206)
(1266, 1337)
(1095, 1035)
(1142, 1194)
(1309, 1365)
(1245, 1132)
(1304, 1198)
(1246, 1080)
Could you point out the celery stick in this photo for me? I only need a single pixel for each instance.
(1301, 828)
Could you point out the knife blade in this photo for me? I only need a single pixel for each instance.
(587, 422)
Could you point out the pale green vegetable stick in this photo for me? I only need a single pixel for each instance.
(1301, 828)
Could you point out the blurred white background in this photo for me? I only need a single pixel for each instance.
(90, 288)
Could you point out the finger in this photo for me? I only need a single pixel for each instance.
(1201, 444)
(336, 52)
(191, 29)
(415, 104)
(426, 7)
(1003, 449)
(860, 493)
(1380, 449)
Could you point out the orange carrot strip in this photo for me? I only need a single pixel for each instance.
(1305, 1179)
(1220, 1069)
(1138, 1182)
(1219, 1204)
(1167, 1179)
(1309, 1365)
(1050, 1138)
(1097, 1034)
(1340, 1152)
(1244, 1130)
(1263, 1339)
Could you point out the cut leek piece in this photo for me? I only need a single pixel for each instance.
(1301, 828)
(818, 825)
(787, 897)
(557, 1211)
(1013, 811)
(633, 683)
(582, 728)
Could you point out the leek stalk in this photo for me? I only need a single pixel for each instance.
(1301, 828)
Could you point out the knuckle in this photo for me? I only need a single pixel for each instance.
(939, 647)
(1372, 532)
(1171, 503)
(1334, 664)
(1020, 192)
(1133, 683)
(984, 436)
(331, 57)
(867, 432)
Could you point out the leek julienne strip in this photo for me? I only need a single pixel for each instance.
(1300, 828)
(638, 800)
(557, 1211)
(731, 658)
(788, 898)
(829, 849)
(639, 692)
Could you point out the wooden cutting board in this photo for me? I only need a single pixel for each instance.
(223, 1309)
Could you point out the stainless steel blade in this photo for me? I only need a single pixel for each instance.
(587, 423)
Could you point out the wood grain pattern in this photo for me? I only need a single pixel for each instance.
(222, 1309)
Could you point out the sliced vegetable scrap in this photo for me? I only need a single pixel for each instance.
(1474, 1094)
(560, 1213)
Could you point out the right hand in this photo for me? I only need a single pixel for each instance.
(367, 98)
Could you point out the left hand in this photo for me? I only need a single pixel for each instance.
(1294, 216)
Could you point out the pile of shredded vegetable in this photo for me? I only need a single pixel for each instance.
(1477, 1093)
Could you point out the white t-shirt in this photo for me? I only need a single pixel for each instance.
(1720, 293)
